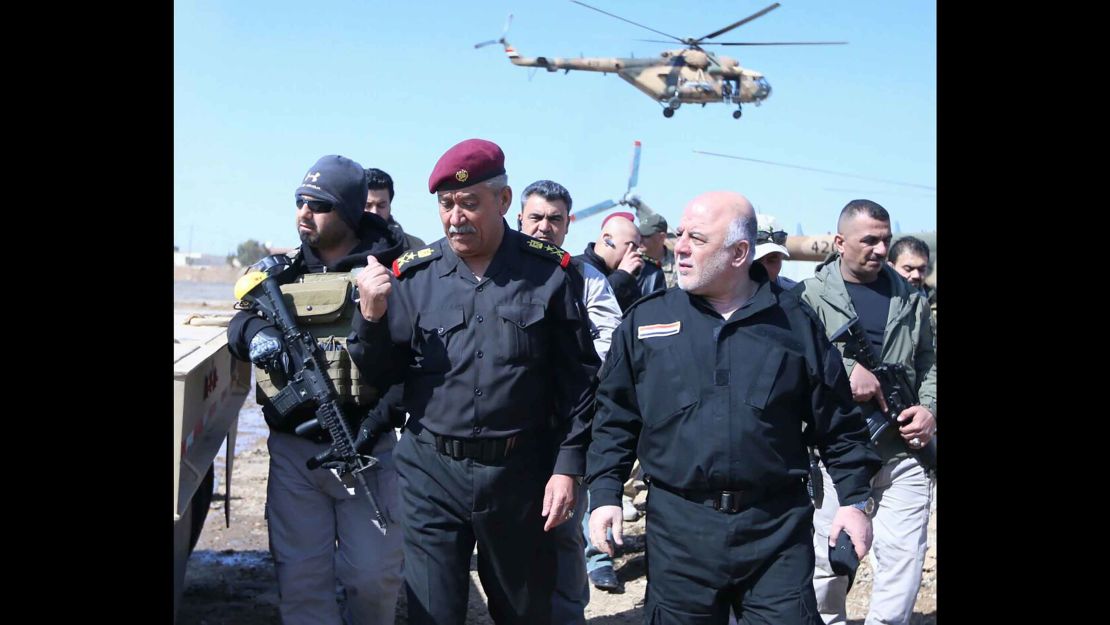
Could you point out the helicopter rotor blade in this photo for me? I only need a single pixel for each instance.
(630, 21)
(821, 171)
(486, 43)
(593, 210)
(508, 21)
(634, 175)
(741, 22)
(774, 43)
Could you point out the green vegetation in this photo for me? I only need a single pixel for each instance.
(251, 251)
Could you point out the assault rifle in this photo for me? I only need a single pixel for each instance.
(897, 390)
(304, 366)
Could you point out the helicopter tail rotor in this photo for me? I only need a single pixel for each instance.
(502, 41)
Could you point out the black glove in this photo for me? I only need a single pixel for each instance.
(266, 347)
(371, 428)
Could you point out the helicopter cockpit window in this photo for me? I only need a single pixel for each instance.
(764, 88)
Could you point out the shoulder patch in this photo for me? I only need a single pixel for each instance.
(652, 295)
(547, 250)
(414, 258)
(658, 329)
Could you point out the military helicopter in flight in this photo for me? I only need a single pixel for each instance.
(690, 75)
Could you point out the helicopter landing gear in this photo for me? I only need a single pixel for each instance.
(737, 113)
(672, 106)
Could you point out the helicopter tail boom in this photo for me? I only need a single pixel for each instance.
(613, 65)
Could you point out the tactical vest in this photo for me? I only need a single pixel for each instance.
(324, 307)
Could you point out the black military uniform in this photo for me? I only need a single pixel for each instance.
(484, 363)
(714, 410)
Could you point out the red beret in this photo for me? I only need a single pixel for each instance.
(626, 215)
(465, 164)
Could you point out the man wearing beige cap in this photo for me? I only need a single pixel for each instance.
(770, 249)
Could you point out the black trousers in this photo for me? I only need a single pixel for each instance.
(758, 562)
(447, 506)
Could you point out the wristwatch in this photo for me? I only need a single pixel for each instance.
(867, 506)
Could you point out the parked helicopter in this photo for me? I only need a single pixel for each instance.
(628, 199)
(689, 75)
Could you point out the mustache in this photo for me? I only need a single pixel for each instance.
(467, 229)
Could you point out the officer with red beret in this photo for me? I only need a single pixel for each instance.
(483, 342)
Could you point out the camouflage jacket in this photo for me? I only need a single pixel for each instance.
(668, 267)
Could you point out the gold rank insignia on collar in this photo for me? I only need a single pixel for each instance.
(415, 258)
(658, 329)
(547, 250)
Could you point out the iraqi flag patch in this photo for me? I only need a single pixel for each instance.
(658, 329)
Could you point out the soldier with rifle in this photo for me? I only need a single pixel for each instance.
(891, 364)
(331, 500)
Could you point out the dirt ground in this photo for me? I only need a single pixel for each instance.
(230, 578)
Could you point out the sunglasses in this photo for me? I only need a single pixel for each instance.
(778, 237)
(316, 206)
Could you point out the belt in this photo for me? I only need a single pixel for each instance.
(484, 450)
(727, 501)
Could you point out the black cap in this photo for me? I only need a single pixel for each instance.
(342, 182)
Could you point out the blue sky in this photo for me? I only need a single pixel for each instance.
(263, 89)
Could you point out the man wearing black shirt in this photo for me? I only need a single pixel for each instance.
(709, 385)
(484, 330)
